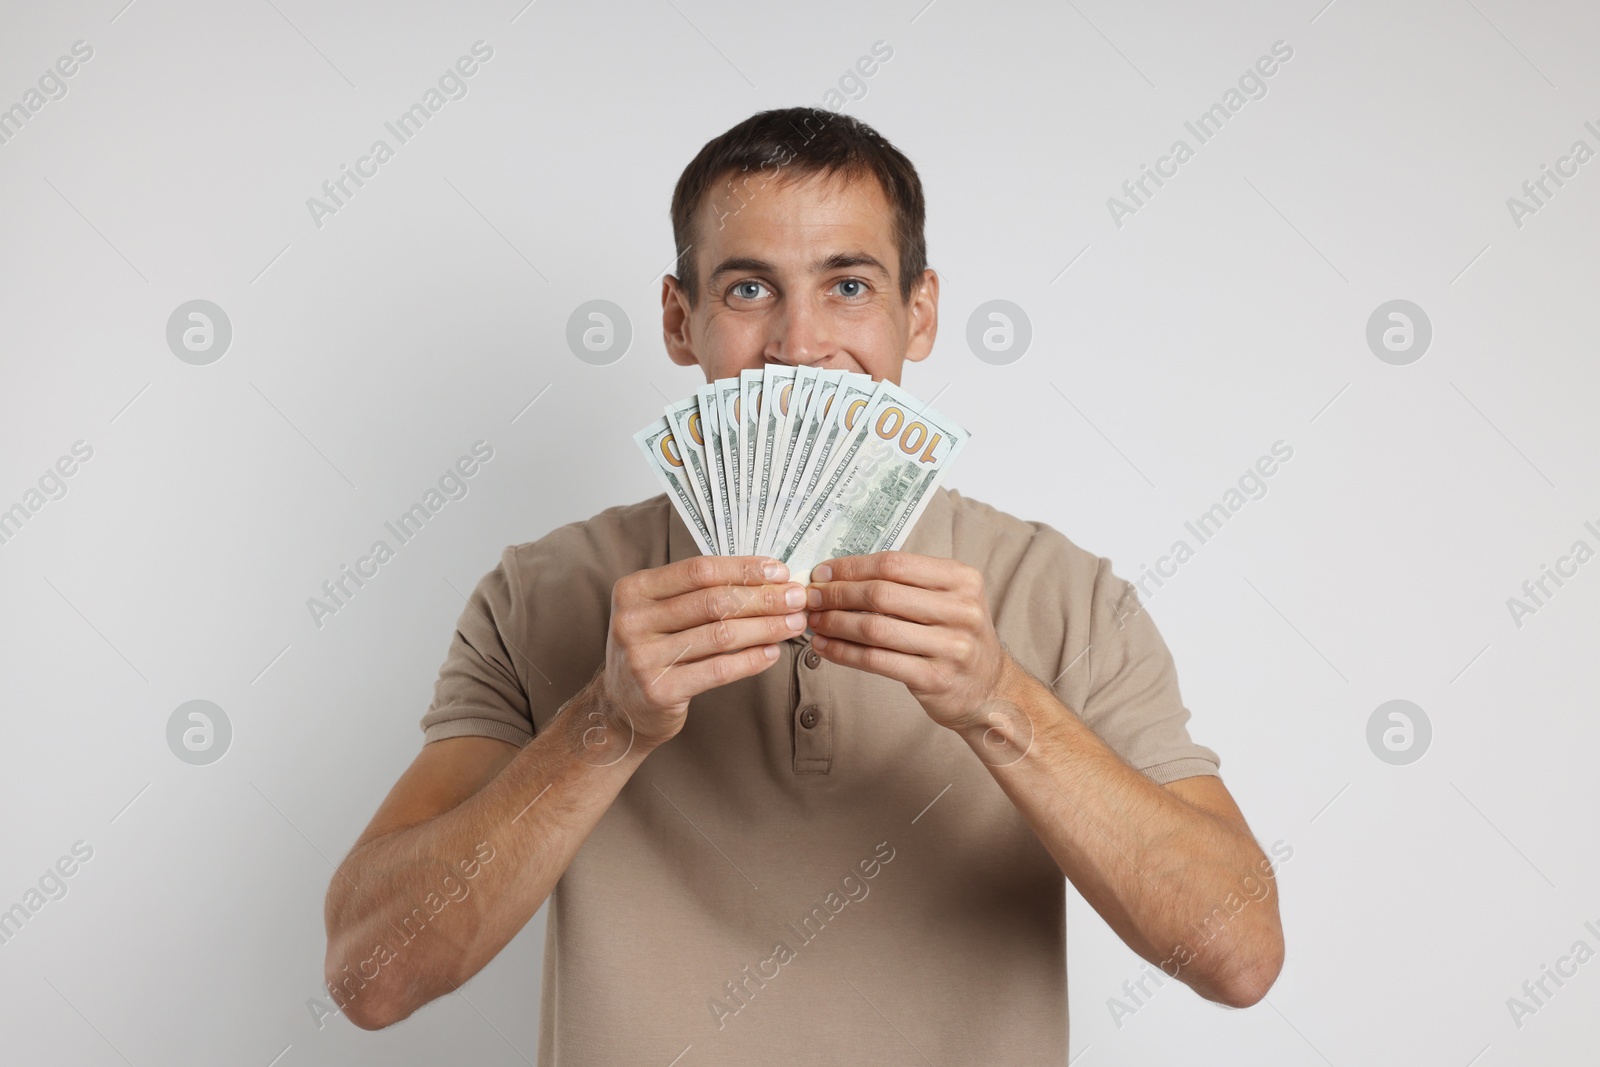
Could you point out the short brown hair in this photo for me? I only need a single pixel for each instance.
(795, 142)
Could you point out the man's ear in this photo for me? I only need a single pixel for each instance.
(924, 319)
(676, 323)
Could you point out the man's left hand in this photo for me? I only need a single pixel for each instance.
(920, 620)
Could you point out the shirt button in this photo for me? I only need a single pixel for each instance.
(808, 717)
(812, 658)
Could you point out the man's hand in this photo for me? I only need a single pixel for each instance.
(679, 630)
(917, 619)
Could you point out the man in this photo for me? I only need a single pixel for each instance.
(759, 845)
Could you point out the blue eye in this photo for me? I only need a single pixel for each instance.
(860, 287)
(742, 290)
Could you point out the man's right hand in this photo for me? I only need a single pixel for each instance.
(679, 630)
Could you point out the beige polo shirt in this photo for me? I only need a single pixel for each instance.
(812, 871)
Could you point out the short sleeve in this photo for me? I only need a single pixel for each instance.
(1132, 700)
(479, 692)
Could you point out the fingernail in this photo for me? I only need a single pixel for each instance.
(819, 642)
(797, 621)
(794, 596)
(822, 573)
(813, 598)
(770, 651)
(774, 571)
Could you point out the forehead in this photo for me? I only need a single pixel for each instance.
(792, 216)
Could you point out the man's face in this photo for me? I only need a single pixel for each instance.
(799, 271)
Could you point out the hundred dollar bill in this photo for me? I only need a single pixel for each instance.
(807, 431)
(776, 379)
(792, 402)
(878, 485)
(721, 498)
(849, 401)
(684, 418)
(750, 384)
(729, 406)
(661, 452)
(799, 464)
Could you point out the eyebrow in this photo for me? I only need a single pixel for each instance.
(837, 261)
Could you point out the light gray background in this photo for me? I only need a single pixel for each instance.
(1167, 355)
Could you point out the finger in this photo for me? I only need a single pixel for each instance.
(886, 598)
(724, 635)
(883, 631)
(915, 672)
(906, 568)
(677, 682)
(698, 572)
(699, 606)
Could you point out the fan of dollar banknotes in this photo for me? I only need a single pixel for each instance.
(800, 464)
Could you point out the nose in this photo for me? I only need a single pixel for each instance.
(801, 336)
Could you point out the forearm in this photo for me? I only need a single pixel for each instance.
(1155, 867)
(386, 958)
